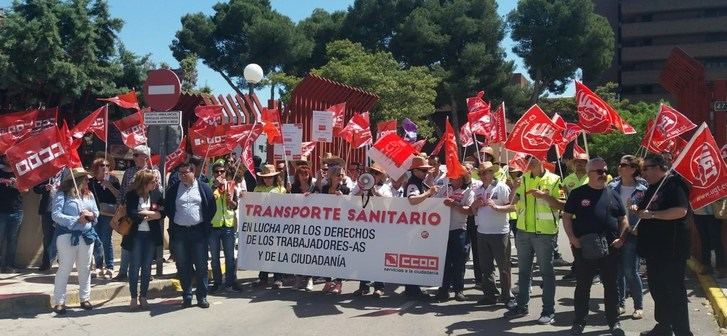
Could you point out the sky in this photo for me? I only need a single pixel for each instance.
(150, 26)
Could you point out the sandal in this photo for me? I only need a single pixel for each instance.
(59, 309)
(86, 305)
(143, 303)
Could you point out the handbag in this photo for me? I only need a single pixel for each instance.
(107, 209)
(121, 222)
(594, 246)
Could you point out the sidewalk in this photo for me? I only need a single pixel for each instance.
(715, 289)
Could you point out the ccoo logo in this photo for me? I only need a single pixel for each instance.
(704, 165)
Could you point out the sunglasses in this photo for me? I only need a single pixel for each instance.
(219, 171)
(517, 173)
(600, 171)
(423, 170)
(186, 172)
(104, 165)
(622, 165)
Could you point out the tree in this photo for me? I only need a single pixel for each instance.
(240, 32)
(189, 68)
(319, 29)
(404, 92)
(63, 53)
(557, 37)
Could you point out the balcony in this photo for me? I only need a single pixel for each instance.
(635, 7)
(676, 27)
(696, 50)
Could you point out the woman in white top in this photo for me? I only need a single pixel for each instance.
(144, 207)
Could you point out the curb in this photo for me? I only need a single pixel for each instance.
(34, 303)
(714, 293)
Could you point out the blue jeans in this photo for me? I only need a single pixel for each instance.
(9, 229)
(49, 241)
(190, 246)
(542, 246)
(104, 230)
(454, 263)
(628, 274)
(225, 236)
(125, 261)
(141, 256)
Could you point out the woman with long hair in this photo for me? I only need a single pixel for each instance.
(144, 207)
(105, 188)
(75, 213)
(631, 188)
(334, 185)
(303, 182)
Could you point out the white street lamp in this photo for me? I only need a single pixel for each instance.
(253, 74)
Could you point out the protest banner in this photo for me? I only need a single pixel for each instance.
(322, 124)
(292, 142)
(334, 236)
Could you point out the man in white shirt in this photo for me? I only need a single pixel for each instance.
(491, 205)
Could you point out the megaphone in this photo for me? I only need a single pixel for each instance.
(366, 181)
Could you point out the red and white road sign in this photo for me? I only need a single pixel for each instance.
(162, 89)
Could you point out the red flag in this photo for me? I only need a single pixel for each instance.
(533, 134)
(393, 153)
(519, 162)
(659, 146)
(339, 113)
(419, 145)
(384, 128)
(549, 166)
(454, 168)
(358, 131)
(16, 126)
(577, 150)
(207, 115)
(465, 135)
(702, 166)
(94, 122)
(476, 103)
(178, 156)
(497, 131)
(438, 147)
(209, 142)
(594, 115)
(271, 125)
(567, 135)
(133, 131)
(70, 146)
(37, 159)
(307, 148)
(670, 123)
(127, 100)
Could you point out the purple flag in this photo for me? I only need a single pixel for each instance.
(410, 130)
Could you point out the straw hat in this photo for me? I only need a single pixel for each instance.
(76, 173)
(488, 150)
(268, 170)
(332, 160)
(420, 162)
(489, 166)
(142, 150)
(581, 156)
(376, 167)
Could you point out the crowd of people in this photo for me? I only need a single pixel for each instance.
(611, 224)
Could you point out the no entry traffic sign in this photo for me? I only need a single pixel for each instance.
(162, 89)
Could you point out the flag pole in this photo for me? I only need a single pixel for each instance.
(668, 174)
(585, 143)
(106, 141)
(474, 139)
(245, 143)
(651, 132)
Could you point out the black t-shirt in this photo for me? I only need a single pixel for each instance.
(104, 195)
(658, 238)
(595, 210)
(10, 198)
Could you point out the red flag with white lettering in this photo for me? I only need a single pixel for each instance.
(384, 128)
(465, 135)
(126, 100)
(37, 159)
(670, 123)
(207, 115)
(210, 141)
(307, 148)
(454, 167)
(133, 131)
(94, 122)
(702, 166)
(497, 131)
(358, 131)
(178, 156)
(16, 126)
(519, 162)
(339, 113)
(595, 115)
(533, 134)
(393, 153)
(70, 146)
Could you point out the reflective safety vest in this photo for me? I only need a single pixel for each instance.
(535, 215)
(224, 217)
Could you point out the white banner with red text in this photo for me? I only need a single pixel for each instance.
(334, 236)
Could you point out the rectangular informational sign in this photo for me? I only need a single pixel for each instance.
(334, 236)
(322, 126)
(163, 118)
(292, 141)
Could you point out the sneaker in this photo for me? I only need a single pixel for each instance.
(95, 273)
(459, 296)
(511, 304)
(277, 284)
(546, 319)
(119, 277)
(516, 312)
(378, 293)
(577, 329)
(560, 262)
(621, 311)
(616, 330)
(108, 274)
(309, 284)
(571, 276)
(638, 314)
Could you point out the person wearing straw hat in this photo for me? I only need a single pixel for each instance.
(491, 206)
(75, 212)
(271, 182)
(459, 198)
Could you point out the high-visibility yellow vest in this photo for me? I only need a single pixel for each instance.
(535, 215)
(224, 217)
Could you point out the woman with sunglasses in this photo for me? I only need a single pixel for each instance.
(222, 234)
(105, 188)
(303, 183)
(271, 182)
(334, 185)
(631, 188)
